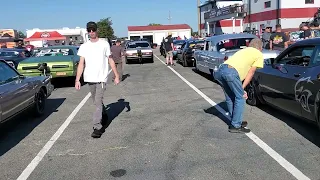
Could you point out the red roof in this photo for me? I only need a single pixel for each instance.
(160, 27)
(39, 36)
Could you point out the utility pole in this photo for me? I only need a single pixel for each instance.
(169, 18)
(199, 17)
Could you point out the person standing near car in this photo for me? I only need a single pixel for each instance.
(94, 56)
(168, 46)
(237, 69)
(117, 52)
(278, 40)
(266, 37)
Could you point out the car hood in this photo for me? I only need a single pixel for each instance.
(47, 59)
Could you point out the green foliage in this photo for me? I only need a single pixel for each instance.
(105, 28)
(21, 35)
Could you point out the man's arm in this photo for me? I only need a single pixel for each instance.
(80, 69)
(249, 76)
(286, 41)
(113, 67)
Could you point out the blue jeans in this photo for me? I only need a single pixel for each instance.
(230, 81)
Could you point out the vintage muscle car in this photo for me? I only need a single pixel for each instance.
(291, 81)
(136, 49)
(61, 61)
(19, 93)
(13, 56)
(186, 51)
(219, 48)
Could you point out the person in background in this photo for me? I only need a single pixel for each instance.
(168, 46)
(237, 69)
(94, 56)
(3, 45)
(20, 45)
(266, 37)
(117, 52)
(306, 31)
(278, 40)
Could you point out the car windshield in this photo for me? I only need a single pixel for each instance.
(9, 53)
(196, 44)
(135, 45)
(178, 42)
(230, 44)
(53, 52)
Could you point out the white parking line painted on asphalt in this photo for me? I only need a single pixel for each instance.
(35, 162)
(276, 156)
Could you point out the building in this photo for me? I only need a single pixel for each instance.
(221, 16)
(52, 36)
(289, 13)
(155, 34)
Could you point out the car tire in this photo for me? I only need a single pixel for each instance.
(253, 99)
(39, 103)
(152, 60)
(127, 62)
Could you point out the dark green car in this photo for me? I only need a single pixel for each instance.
(59, 61)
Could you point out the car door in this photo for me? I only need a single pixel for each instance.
(282, 85)
(203, 57)
(16, 92)
(179, 51)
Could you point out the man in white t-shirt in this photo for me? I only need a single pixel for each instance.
(94, 57)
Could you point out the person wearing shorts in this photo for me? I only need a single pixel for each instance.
(168, 46)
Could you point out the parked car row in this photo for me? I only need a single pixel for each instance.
(289, 81)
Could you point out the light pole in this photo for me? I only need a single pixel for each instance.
(169, 18)
(199, 17)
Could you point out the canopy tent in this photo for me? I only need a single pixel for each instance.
(39, 36)
(6, 38)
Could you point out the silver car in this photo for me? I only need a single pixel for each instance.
(136, 50)
(19, 93)
(219, 48)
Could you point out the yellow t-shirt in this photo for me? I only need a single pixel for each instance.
(244, 59)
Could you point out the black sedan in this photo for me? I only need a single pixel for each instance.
(186, 51)
(14, 56)
(291, 81)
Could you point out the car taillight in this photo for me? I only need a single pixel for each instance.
(225, 58)
(174, 48)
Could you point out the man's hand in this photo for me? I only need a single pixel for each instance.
(77, 85)
(245, 96)
(116, 80)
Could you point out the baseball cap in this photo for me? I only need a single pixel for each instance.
(278, 26)
(92, 26)
(118, 40)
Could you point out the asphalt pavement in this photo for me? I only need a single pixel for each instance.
(166, 124)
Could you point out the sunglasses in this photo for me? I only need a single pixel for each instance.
(92, 29)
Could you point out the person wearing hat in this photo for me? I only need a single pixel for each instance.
(168, 46)
(117, 52)
(306, 31)
(94, 56)
(266, 37)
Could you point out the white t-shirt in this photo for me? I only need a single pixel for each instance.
(96, 55)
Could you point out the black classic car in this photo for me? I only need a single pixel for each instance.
(291, 81)
(19, 93)
(185, 53)
(14, 56)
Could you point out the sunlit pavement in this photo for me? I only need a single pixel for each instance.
(163, 127)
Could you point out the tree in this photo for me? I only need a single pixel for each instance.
(154, 24)
(21, 35)
(105, 28)
(194, 33)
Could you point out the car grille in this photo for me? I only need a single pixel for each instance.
(59, 66)
(30, 67)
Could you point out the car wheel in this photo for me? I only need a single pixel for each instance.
(152, 60)
(40, 103)
(252, 95)
(127, 62)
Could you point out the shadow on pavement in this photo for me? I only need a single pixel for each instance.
(16, 129)
(116, 108)
(306, 129)
(125, 76)
(213, 110)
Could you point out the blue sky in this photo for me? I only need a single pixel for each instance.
(72, 13)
